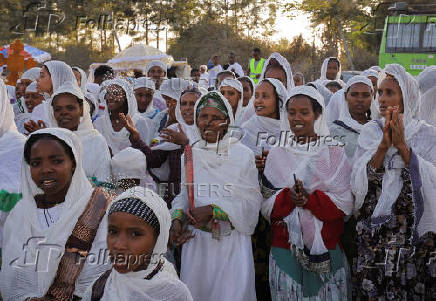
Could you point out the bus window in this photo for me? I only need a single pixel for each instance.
(402, 37)
(429, 37)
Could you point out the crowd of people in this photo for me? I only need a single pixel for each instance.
(239, 183)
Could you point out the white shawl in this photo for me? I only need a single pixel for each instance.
(120, 140)
(23, 276)
(229, 169)
(83, 80)
(60, 73)
(320, 166)
(235, 84)
(248, 110)
(323, 79)
(427, 111)
(421, 138)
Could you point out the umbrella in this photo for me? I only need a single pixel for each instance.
(29, 51)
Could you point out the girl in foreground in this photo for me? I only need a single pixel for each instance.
(138, 230)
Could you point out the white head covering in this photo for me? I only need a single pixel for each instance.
(344, 114)
(173, 87)
(420, 138)
(370, 72)
(235, 84)
(122, 167)
(156, 63)
(60, 73)
(248, 110)
(32, 74)
(164, 285)
(324, 68)
(188, 129)
(144, 82)
(33, 281)
(259, 126)
(120, 140)
(427, 111)
(376, 68)
(83, 79)
(320, 125)
(32, 88)
(7, 123)
(427, 79)
(323, 90)
(85, 124)
(286, 67)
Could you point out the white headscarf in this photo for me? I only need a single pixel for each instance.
(370, 72)
(235, 84)
(427, 111)
(120, 140)
(216, 163)
(60, 73)
(164, 285)
(122, 167)
(324, 68)
(319, 165)
(344, 114)
(156, 63)
(286, 67)
(32, 74)
(320, 126)
(427, 79)
(421, 138)
(83, 79)
(85, 124)
(32, 88)
(23, 278)
(248, 110)
(257, 128)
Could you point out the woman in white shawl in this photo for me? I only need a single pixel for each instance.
(157, 70)
(11, 152)
(427, 83)
(262, 131)
(81, 78)
(355, 113)
(222, 201)
(248, 86)
(331, 70)
(68, 109)
(233, 91)
(306, 183)
(118, 97)
(45, 247)
(153, 278)
(394, 180)
(53, 74)
(278, 67)
(144, 89)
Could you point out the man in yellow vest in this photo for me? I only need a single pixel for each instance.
(256, 65)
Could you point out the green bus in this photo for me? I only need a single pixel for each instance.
(409, 39)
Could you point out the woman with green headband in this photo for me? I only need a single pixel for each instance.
(217, 210)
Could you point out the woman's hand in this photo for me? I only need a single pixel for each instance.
(200, 215)
(130, 126)
(31, 126)
(260, 160)
(386, 141)
(398, 136)
(299, 195)
(178, 234)
(176, 137)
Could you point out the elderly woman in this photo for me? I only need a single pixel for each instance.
(393, 181)
(119, 98)
(45, 244)
(220, 202)
(306, 182)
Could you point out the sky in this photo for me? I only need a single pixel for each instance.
(286, 27)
